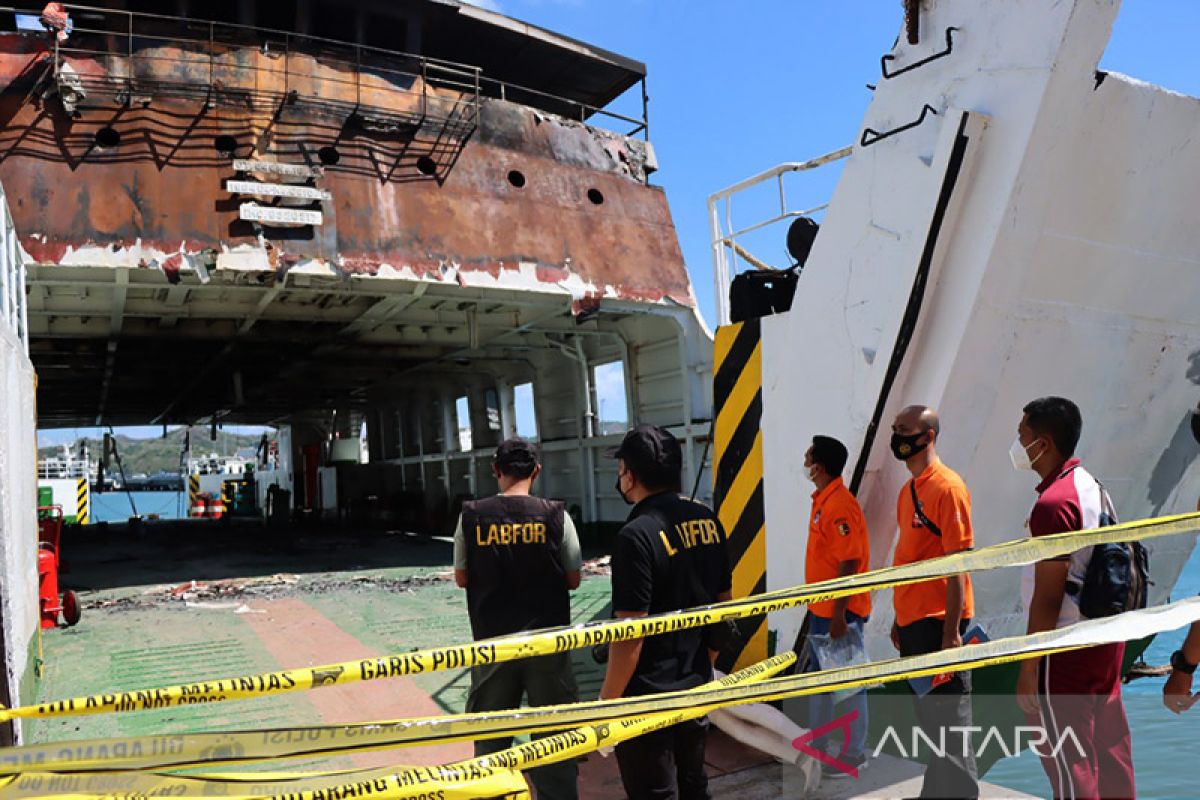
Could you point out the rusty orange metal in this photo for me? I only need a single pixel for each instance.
(584, 210)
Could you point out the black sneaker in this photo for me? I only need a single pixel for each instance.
(837, 773)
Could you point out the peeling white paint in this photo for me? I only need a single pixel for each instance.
(246, 258)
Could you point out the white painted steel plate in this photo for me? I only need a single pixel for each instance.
(275, 168)
(277, 190)
(279, 216)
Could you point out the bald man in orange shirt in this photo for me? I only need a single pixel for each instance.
(934, 515)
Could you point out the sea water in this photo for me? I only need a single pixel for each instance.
(1164, 744)
(116, 507)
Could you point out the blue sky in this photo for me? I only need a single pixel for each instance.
(738, 87)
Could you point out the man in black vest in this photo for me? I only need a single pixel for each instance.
(518, 557)
(670, 555)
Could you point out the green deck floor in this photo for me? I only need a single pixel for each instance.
(140, 644)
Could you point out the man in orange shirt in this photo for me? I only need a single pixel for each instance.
(837, 546)
(934, 513)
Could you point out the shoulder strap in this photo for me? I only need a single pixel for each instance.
(1108, 512)
(926, 521)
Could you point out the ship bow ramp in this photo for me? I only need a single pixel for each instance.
(1010, 223)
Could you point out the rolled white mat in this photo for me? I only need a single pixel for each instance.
(760, 738)
(768, 729)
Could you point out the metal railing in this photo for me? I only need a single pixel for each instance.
(294, 63)
(725, 246)
(573, 108)
(206, 62)
(14, 307)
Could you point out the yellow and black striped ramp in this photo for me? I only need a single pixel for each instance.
(82, 496)
(738, 472)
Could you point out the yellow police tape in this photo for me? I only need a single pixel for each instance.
(497, 784)
(246, 746)
(557, 640)
(388, 782)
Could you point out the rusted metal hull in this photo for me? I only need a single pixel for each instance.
(583, 218)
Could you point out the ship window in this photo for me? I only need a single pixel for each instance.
(462, 413)
(595, 196)
(516, 178)
(225, 145)
(108, 137)
(491, 404)
(426, 165)
(526, 414)
(329, 155)
(611, 407)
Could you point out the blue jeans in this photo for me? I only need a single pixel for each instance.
(820, 706)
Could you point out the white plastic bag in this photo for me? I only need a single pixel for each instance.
(830, 653)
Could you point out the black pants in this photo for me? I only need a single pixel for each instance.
(666, 764)
(544, 681)
(952, 775)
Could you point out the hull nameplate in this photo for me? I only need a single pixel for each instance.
(279, 216)
(277, 190)
(275, 168)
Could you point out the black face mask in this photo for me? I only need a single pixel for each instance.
(905, 447)
(621, 491)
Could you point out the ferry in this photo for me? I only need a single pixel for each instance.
(66, 480)
(396, 231)
(67, 465)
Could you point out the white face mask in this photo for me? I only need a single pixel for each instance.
(1019, 455)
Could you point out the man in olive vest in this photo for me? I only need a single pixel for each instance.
(518, 557)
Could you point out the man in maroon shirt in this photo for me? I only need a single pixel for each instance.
(1076, 695)
(1177, 691)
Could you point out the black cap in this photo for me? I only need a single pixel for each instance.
(516, 457)
(651, 452)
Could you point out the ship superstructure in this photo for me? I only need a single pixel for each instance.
(372, 225)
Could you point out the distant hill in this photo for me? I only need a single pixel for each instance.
(148, 456)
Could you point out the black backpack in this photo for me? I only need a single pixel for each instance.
(1118, 574)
